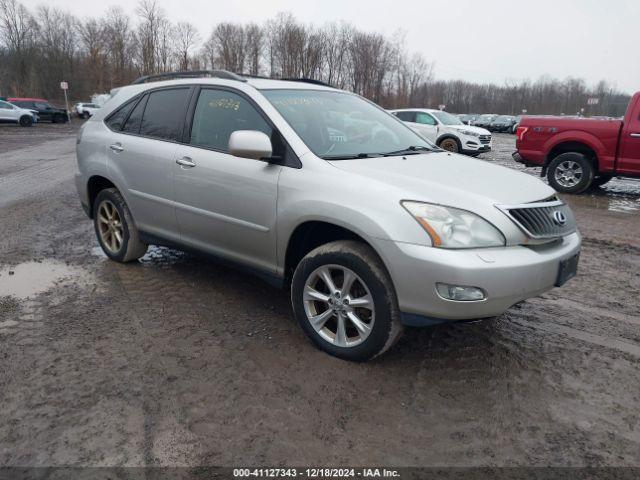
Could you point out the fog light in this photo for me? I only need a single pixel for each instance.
(459, 293)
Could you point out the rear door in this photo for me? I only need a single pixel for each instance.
(226, 205)
(629, 153)
(141, 157)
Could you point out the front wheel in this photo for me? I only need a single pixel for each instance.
(116, 231)
(450, 145)
(344, 300)
(26, 121)
(570, 172)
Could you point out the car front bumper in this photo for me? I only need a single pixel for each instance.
(474, 145)
(507, 275)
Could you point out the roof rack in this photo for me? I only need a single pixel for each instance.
(189, 74)
(307, 80)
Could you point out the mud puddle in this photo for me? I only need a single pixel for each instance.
(32, 278)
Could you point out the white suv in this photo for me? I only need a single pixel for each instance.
(86, 110)
(446, 130)
(9, 113)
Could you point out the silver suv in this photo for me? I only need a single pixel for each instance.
(318, 190)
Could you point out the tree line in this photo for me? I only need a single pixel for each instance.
(40, 48)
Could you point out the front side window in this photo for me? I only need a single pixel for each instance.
(218, 114)
(447, 119)
(42, 106)
(164, 114)
(340, 125)
(425, 119)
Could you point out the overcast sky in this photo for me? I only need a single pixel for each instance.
(477, 40)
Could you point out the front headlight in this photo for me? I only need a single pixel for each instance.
(470, 133)
(450, 227)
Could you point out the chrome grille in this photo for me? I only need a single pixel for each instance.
(542, 219)
(486, 139)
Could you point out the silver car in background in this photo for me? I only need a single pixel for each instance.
(318, 190)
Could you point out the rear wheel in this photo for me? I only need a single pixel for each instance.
(345, 302)
(450, 144)
(26, 121)
(570, 172)
(116, 231)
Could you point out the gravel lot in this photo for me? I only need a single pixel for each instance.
(179, 361)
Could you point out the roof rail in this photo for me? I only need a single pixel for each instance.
(189, 74)
(308, 80)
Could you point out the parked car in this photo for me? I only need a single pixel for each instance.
(10, 113)
(483, 121)
(45, 111)
(85, 110)
(502, 123)
(446, 130)
(577, 153)
(516, 123)
(467, 118)
(371, 228)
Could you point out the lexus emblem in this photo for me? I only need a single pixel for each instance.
(559, 218)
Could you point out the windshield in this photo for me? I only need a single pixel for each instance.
(446, 118)
(338, 125)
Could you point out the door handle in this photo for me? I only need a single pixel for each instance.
(186, 162)
(635, 135)
(116, 147)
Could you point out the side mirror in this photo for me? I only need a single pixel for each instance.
(250, 144)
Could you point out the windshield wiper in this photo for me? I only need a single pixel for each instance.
(350, 157)
(412, 150)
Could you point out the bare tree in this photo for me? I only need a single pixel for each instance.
(186, 36)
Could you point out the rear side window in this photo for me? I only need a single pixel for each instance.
(135, 119)
(406, 116)
(164, 114)
(117, 118)
(219, 113)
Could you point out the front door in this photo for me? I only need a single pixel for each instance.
(226, 205)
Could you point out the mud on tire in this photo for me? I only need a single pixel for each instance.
(362, 260)
(130, 246)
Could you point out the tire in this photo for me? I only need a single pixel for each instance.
(110, 206)
(85, 115)
(450, 144)
(570, 172)
(26, 121)
(380, 325)
(54, 119)
(600, 180)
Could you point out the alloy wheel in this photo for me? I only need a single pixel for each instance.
(339, 305)
(568, 173)
(110, 227)
(450, 145)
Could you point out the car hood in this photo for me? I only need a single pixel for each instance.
(448, 179)
(470, 128)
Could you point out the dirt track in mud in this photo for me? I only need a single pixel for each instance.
(179, 361)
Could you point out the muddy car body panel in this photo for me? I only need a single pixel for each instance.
(257, 212)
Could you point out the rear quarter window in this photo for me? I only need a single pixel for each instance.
(117, 118)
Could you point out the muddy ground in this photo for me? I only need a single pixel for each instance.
(176, 360)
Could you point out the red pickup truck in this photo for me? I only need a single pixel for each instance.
(576, 153)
